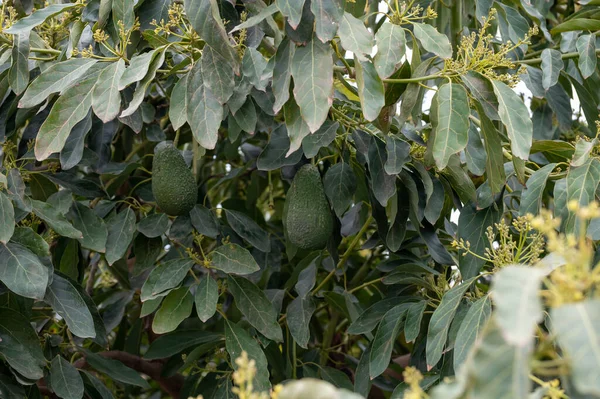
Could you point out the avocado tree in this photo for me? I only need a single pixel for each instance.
(397, 198)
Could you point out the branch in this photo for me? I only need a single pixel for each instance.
(153, 369)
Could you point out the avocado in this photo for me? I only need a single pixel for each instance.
(173, 184)
(308, 219)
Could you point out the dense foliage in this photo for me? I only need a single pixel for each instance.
(450, 231)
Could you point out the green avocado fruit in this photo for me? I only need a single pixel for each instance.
(308, 219)
(173, 184)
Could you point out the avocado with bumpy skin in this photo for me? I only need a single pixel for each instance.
(308, 219)
(173, 184)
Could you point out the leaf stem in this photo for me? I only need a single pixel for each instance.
(565, 56)
(413, 80)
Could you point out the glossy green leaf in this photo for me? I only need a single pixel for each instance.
(248, 229)
(175, 308)
(586, 47)
(65, 379)
(7, 218)
(38, 17)
(19, 344)
(257, 308)
(391, 46)
(164, 277)
(515, 117)
(414, 317)
(55, 220)
(22, 271)
(204, 221)
(256, 19)
(231, 258)
(312, 70)
(299, 312)
(441, 319)
(328, 13)
(451, 121)
(245, 117)
(292, 10)
(432, 40)
(552, 64)
(18, 74)
(470, 329)
(94, 385)
(237, 340)
(382, 184)
(177, 108)
(122, 11)
(274, 154)
(296, 127)
(481, 88)
(582, 182)
(173, 343)
(206, 298)
(355, 37)
(106, 99)
(319, 139)
(340, 185)
(253, 66)
(93, 228)
(142, 87)
(153, 225)
(492, 143)
(383, 344)
(72, 153)
(31, 240)
(138, 68)
(217, 74)
(577, 24)
(282, 72)
(120, 233)
(115, 369)
(204, 112)
(532, 195)
(370, 89)
(65, 300)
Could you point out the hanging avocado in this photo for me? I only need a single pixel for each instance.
(308, 219)
(173, 184)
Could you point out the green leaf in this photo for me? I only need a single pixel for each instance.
(340, 185)
(483, 91)
(93, 385)
(65, 300)
(18, 74)
(255, 306)
(370, 89)
(22, 272)
(245, 117)
(312, 69)
(106, 99)
(173, 343)
(441, 319)
(369, 319)
(54, 219)
(432, 40)
(237, 340)
(319, 139)
(336, 377)
(498, 369)
(582, 182)
(576, 326)
(138, 68)
(204, 112)
(72, 152)
(492, 143)
(120, 233)
(7, 218)
(299, 312)
(217, 74)
(552, 64)
(475, 154)
(256, 19)
(153, 225)
(292, 10)
(248, 229)
(115, 370)
(515, 116)
(593, 231)
(383, 344)
(296, 127)
(253, 66)
(391, 46)
(93, 228)
(282, 72)
(164, 277)
(472, 227)
(70, 108)
(328, 13)
(355, 37)
(31, 240)
(177, 107)
(16, 189)
(65, 379)
(451, 121)
(175, 308)
(207, 22)
(231, 258)
(122, 10)
(19, 344)
(586, 47)
(583, 149)
(204, 221)
(470, 328)
(206, 298)
(586, 24)
(383, 185)
(362, 379)
(274, 154)
(531, 197)
(142, 87)
(37, 18)
(518, 307)
(414, 316)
